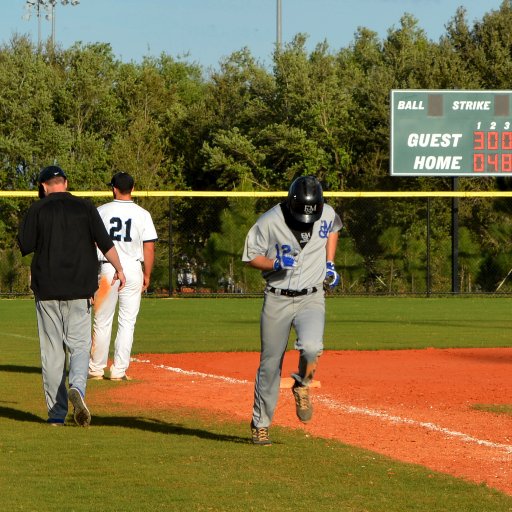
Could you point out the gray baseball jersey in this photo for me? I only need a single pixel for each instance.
(271, 237)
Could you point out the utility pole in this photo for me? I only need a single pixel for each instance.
(279, 38)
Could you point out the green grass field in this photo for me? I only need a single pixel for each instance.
(137, 460)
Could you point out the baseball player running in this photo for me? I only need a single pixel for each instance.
(293, 244)
(132, 230)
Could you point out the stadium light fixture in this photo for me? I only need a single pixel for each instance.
(48, 7)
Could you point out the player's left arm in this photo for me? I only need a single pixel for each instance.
(148, 249)
(332, 243)
(332, 278)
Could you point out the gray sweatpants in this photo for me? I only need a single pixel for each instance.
(64, 327)
(306, 314)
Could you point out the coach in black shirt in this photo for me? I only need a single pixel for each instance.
(63, 231)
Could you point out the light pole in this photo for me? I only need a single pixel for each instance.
(279, 25)
(49, 7)
(53, 4)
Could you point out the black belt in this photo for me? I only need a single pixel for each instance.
(292, 293)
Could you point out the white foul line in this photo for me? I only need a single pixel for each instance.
(7, 334)
(194, 373)
(350, 409)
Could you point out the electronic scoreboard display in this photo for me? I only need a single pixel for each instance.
(451, 133)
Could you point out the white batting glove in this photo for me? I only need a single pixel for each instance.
(332, 278)
(285, 262)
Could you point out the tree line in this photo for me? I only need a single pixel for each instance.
(245, 126)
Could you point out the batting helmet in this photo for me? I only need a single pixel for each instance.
(305, 199)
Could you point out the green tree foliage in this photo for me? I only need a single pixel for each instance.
(324, 112)
(470, 258)
(224, 249)
(391, 242)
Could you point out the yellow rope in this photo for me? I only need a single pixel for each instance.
(192, 193)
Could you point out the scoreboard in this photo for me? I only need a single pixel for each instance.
(451, 133)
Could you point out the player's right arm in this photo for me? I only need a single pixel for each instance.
(256, 249)
(283, 262)
(113, 258)
(262, 263)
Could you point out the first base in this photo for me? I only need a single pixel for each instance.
(287, 382)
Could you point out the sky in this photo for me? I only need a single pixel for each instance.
(207, 31)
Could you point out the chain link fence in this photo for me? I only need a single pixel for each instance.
(391, 244)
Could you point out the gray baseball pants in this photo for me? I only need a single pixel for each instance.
(64, 327)
(306, 314)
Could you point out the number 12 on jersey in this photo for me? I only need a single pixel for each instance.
(285, 249)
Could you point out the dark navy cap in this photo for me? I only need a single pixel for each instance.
(52, 171)
(122, 181)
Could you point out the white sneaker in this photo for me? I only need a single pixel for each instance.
(123, 377)
(95, 376)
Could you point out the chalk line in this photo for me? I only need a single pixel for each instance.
(350, 409)
(194, 373)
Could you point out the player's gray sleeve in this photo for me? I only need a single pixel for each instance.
(255, 244)
(337, 224)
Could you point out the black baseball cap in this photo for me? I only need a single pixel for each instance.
(122, 181)
(52, 171)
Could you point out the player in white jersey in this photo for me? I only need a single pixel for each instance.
(293, 244)
(132, 230)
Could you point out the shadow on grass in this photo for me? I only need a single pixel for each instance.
(144, 424)
(17, 415)
(14, 368)
(162, 427)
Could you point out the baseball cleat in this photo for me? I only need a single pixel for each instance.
(82, 415)
(303, 406)
(260, 436)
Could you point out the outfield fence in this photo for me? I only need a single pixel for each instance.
(392, 243)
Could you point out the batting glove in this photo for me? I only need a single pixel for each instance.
(284, 262)
(332, 278)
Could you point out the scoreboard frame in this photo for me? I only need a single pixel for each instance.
(441, 132)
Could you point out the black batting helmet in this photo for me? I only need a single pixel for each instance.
(305, 199)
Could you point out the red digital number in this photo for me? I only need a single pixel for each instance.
(506, 140)
(493, 141)
(478, 140)
(493, 162)
(478, 162)
(506, 162)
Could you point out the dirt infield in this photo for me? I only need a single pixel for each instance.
(411, 405)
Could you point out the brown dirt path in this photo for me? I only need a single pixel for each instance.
(411, 405)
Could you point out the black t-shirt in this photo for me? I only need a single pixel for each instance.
(62, 231)
(301, 231)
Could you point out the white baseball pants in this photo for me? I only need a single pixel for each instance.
(105, 301)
